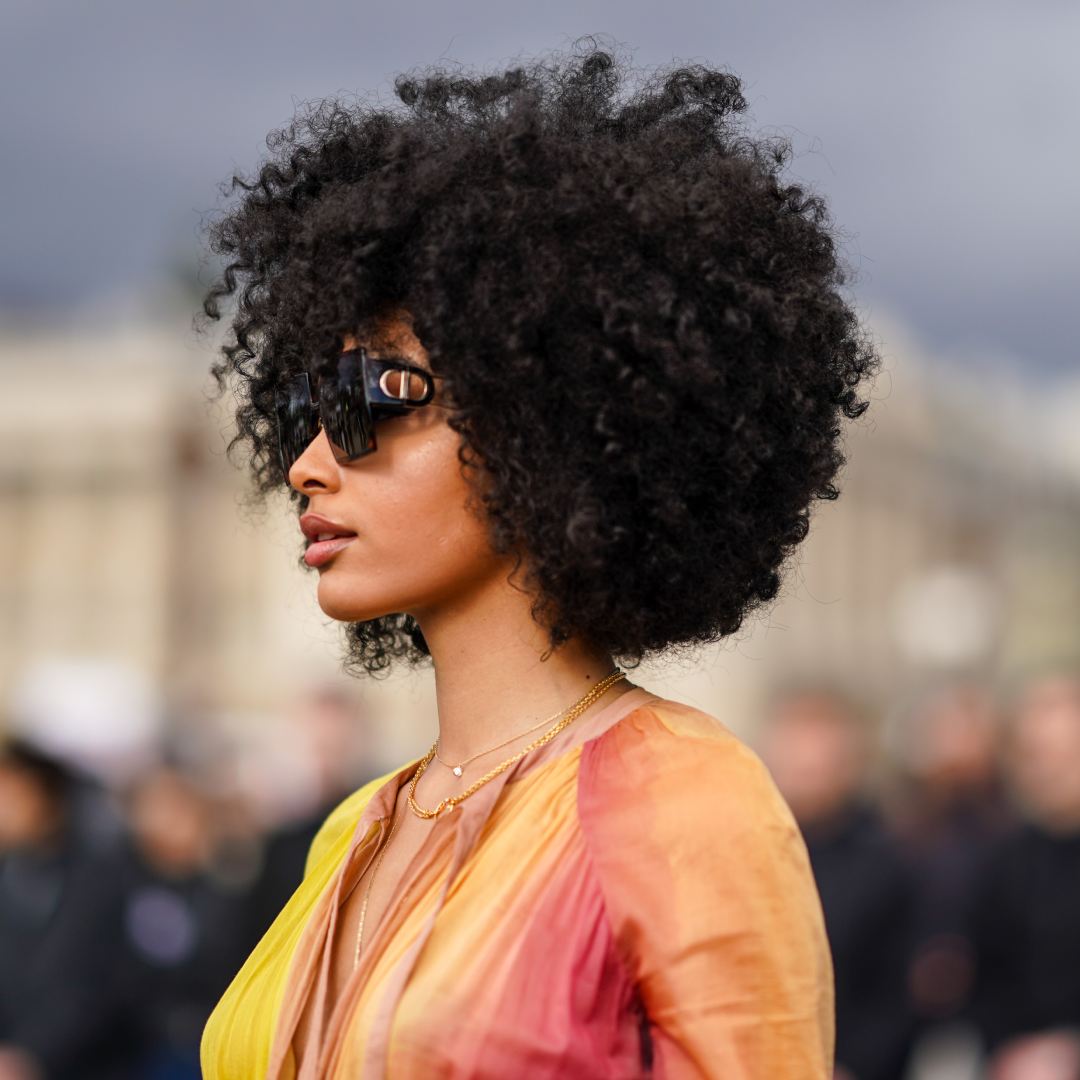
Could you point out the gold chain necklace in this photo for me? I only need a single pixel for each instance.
(572, 714)
(367, 892)
(457, 769)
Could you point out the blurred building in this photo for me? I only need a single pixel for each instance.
(121, 526)
(124, 534)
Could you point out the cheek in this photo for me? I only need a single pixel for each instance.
(419, 540)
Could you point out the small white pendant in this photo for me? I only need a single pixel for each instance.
(457, 770)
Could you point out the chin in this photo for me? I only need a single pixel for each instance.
(346, 606)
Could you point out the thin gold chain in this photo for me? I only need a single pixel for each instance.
(572, 714)
(491, 749)
(367, 892)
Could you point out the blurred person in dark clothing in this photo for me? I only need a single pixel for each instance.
(184, 929)
(338, 740)
(950, 814)
(61, 1000)
(818, 754)
(1026, 922)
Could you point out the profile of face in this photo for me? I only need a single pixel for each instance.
(815, 751)
(1045, 752)
(398, 530)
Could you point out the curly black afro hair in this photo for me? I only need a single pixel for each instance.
(641, 320)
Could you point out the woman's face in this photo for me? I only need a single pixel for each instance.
(399, 528)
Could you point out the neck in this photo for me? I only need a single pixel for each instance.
(495, 671)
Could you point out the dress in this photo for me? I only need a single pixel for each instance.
(632, 899)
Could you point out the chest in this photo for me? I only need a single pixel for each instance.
(507, 967)
(518, 976)
(363, 907)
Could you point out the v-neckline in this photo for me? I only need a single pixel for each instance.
(313, 958)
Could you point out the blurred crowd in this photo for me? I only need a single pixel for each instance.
(946, 847)
(945, 839)
(126, 910)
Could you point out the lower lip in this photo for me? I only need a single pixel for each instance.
(322, 551)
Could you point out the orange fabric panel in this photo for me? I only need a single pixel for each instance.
(711, 898)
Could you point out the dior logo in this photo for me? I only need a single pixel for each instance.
(401, 385)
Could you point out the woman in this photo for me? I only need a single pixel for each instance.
(555, 363)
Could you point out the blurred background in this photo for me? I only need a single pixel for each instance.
(176, 713)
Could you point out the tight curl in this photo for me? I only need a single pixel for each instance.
(641, 320)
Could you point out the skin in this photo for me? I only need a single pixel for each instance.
(171, 824)
(1053, 1055)
(1045, 753)
(28, 816)
(816, 755)
(956, 750)
(421, 546)
(18, 1064)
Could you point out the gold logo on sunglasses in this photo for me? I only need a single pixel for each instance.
(401, 385)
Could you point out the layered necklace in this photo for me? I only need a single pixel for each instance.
(458, 769)
(569, 716)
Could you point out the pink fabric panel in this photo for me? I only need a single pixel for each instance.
(543, 994)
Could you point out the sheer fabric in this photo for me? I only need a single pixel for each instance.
(632, 900)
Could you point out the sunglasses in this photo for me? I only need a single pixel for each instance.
(354, 392)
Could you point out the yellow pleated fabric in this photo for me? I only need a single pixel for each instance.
(238, 1039)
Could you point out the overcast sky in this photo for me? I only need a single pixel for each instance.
(944, 133)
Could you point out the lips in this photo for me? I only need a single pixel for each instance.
(325, 538)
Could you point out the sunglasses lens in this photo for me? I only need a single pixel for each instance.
(296, 423)
(343, 404)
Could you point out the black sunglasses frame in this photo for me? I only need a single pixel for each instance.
(354, 392)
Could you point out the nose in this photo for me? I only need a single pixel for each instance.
(316, 469)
